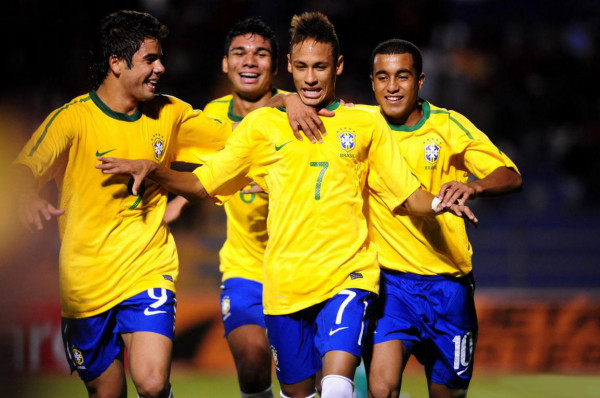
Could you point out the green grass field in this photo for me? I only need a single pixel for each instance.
(188, 385)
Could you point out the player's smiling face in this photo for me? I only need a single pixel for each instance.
(249, 66)
(314, 70)
(396, 87)
(139, 81)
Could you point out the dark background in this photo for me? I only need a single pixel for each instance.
(524, 72)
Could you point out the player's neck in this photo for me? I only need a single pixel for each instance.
(412, 119)
(116, 100)
(243, 105)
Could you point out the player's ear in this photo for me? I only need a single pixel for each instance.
(421, 81)
(289, 63)
(372, 82)
(224, 64)
(339, 66)
(115, 64)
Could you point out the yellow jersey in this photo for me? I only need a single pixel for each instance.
(318, 238)
(443, 146)
(243, 252)
(114, 245)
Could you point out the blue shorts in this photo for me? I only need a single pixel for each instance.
(241, 303)
(435, 318)
(299, 340)
(93, 343)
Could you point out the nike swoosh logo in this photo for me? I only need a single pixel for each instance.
(277, 148)
(98, 153)
(462, 371)
(148, 312)
(334, 331)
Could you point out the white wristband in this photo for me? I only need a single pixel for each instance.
(435, 203)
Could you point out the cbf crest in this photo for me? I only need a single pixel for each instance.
(432, 151)
(77, 356)
(275, 357)
(347, 139)
(225, 307)
(158, 146)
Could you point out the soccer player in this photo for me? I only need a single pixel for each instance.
(320, 269)
(118, 261)
(250, 62)
(427, 284)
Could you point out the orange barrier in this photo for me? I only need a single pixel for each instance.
(550, 332)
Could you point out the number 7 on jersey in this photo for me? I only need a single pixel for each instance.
(324, 166)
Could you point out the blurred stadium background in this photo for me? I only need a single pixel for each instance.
(525, 72)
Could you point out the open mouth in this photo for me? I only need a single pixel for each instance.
(393, 98)
(312, 92)
(248, 77)
(152, 84)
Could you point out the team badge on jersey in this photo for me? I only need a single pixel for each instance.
(225, 307)
(432, 151)
(347, 139)
(77, 356)
(158, 145)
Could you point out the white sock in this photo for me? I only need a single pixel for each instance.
(285, 396)
(268, 393)
(336, 386)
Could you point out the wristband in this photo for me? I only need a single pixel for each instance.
(435, 203)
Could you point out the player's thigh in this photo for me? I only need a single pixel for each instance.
(149, 355)
(146, 323)
(387, 365)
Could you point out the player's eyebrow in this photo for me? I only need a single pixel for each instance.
(384, 72)
(242, 48)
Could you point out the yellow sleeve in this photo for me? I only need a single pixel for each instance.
(389, 175)
(200, 136)
(226, 172)
(49, 144)
(481, 156)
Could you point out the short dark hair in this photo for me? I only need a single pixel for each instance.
(121, 34)
(253, 26)
(314, 25)
(397, 46)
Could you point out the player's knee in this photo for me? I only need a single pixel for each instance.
(336, 386)
(153, 387)
(254, 371)
(381, 389)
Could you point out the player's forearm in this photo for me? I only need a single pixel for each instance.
(180, 183)
(419, 203)
(502, 181)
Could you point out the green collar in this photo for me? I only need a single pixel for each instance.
(109, 112)
(420, 123)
